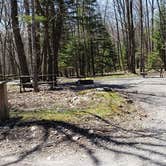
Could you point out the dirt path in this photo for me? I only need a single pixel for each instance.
(142, 142)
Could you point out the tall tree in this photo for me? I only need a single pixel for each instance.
(142, 64)
(34, 49)
(18, 40)
(130, 36)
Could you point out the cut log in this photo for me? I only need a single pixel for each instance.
(4, 111)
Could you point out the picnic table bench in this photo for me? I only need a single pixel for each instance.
(27, 82)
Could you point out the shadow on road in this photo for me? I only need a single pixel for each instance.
(148, 145)
(143, 142)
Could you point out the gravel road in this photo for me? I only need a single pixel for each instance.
(141, 143)
(145, 145)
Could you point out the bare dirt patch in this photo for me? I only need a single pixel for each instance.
(62, 99)
(25, 141)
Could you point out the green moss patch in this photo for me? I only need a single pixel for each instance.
(102, 104)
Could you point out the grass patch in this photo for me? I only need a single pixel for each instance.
(107, 106)
(121, 75)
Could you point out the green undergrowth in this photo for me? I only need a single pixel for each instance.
(108, 107)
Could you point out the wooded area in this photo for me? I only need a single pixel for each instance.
(47, 39)
(80, 65)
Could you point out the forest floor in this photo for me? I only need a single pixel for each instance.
(88, 125)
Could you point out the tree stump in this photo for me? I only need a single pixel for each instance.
(4, 111)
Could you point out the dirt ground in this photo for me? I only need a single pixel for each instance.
(134, 138)
(64, 98)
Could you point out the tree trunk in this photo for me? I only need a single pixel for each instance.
(142, 67)
(34, 50)
(1, 77)
(56, 32)
(130, 36)
(4, 111)
(27, 12)
(18, 40)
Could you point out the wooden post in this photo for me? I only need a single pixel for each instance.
(4, 111)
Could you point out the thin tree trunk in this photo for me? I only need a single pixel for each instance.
(27, 12)
(141, 33)
(34, 49)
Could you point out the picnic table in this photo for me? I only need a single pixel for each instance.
(4, 111)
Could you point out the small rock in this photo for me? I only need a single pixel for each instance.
(54, 132)
(33, 135)
(91, 131)
(100, 89)
(33, 128)
(49, 158)
(76, 138)
(75, 98)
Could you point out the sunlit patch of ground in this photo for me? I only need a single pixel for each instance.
(67, 105)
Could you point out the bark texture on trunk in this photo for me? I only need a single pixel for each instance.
(4, 111)
(18, 40)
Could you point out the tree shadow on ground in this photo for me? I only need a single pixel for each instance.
(142, 144)
(106, 86)
(156, 99)
(122, 88)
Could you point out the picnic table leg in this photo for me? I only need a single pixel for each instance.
(4, 111)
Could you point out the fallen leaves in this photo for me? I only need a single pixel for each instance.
(49, 99)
